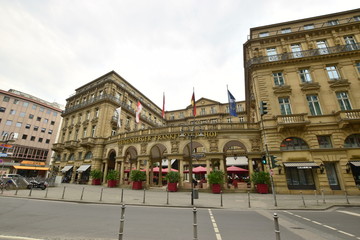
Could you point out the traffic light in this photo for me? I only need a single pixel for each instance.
(263, 108)
(263, 159)
(273, 161)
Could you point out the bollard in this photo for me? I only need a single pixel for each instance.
(63, 195)
(144, 196)
(46, 193)
(317, 201)
(122, 195)
(17, 188)
(195, 223)
(167, 196)
(323, 196)
(82, 193)
(30, 192)
(346, 197)
(302, 196)
(101, 193)
(277, 229)
(221, 198)
(249, 199)
(122, 221)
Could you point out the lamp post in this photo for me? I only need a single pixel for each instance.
(191, 133)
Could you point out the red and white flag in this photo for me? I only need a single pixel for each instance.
(138, 111)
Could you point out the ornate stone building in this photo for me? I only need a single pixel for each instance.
(306, 73)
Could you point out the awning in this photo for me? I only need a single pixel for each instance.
(301, 165)
(356, 163)
(66, 168)
(32, 168)
(83, 168)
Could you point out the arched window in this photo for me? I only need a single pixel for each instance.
(88, 155)
(293, 143)
(353, 141)
(71, 157)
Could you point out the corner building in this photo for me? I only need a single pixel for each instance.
(307, 74)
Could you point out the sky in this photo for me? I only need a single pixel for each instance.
(49, 48)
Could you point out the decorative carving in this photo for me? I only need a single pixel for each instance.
(174, 146)
(282, 89)
(143, 148)
(343, 83)
(255, 144)
(310, 86)
(214, 145)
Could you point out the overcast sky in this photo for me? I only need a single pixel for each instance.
(48, 48)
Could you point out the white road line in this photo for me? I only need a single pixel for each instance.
(216, 229)
(17, 237)
(350, 213)
(337, 230)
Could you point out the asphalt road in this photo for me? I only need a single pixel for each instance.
(38, 219)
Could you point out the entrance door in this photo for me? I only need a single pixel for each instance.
(332, 176)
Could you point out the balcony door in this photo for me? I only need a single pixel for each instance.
(332, 176)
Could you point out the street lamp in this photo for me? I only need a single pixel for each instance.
(191, 133)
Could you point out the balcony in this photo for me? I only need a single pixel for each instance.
(57, 147)
(304, 54)
(71, 145)
(346, 118)
(87, 142)
(292, 121)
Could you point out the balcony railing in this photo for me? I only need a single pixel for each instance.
(348, 117)
(303, 54)
(294, 120)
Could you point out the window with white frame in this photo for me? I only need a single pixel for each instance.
(285, 107)
(286, 30)
(278, 78)
(333, 73)
(344, 101)
(350, 43)
(314, 105)
(8, 123)
(84, 132)
(357, 18)
(322, 46)
(272, 54)
(202, 111)
(305, 75)
(333, 22)
(296, 50)
(93, 129)
(309, 26)
(358, 66)
(264, 34)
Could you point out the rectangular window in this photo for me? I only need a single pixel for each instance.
(272, 54)
(25, 104)
(18, 124)
(350, 43)
(278, 78)
(324, 141)
(228, 120)
(286, 30)
(28, 126)
(8, 123)
(333, 73)
(38, 119)
(296, 51)
(48, 111)
(309, 26)
(34, 106)
(24, 136)
(93, 131)
(181, 115)
(285, 107)
(16, 101)
(358, 66)
(357, 18)
(36, 128)
(202, 111)
(264, 34)
(50, 131)
(314, 105)
(46, 120)
(299, 178)
(41, 109)
(55, 114)
(40, 139)
(332, 22)
(31, 116)
(2, 109)
(6, 99)
(47, 141)
(322, 46)
(43, 130)
(12, 112)
(22, 114)
(52, 123)
(344, 101)
(32, 138)
(305, 75)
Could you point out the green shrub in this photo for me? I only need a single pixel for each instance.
(216, 177)
(173, 177)
(260, 178)
(112, 175)
(137, 176)
(96, 174)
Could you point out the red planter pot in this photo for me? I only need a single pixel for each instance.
(112, 183)
(172, 187)
(262, 188)
(216, 188)
(96, 182)
(137, 185)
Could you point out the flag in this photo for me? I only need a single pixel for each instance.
(163, 109)
(138, 111)
(118, 112)
(232, 104)
(193, 104)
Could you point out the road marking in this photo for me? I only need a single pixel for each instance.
(329, 227)
(216, 229)
(18, 238)
(350, 213)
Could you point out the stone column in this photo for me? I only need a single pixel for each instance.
(148, 180)
(73, 175)
(181, 170)
(105, 164)
(160, 174)
(251, 170)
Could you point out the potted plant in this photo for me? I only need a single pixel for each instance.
(112, 177)
(261, 180)
(172, 178)
(96, 176)
(216, 178)
(137, 176)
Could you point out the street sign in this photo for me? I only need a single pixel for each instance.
(198, 155)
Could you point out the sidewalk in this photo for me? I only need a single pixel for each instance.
(159, 197)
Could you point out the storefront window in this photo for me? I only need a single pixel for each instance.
(300, 178)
